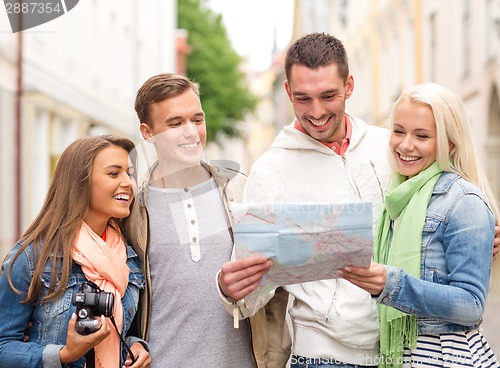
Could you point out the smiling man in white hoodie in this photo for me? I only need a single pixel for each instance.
(324, 155)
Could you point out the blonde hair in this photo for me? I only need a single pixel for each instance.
(455, 151)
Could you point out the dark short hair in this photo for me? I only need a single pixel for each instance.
(316, 50)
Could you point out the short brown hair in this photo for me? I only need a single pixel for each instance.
(159, 88)
(316, 50)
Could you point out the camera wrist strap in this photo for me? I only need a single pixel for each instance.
(123, 340)
(90, 355)
(90, 359)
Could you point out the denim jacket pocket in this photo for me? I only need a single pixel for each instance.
(429, 232)
(53, 316)
(433, 257)
(63, 303)
(431, 224)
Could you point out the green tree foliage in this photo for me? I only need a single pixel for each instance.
(214, 64)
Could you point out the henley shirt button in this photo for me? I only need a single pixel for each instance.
(189, 205)
(230, 199)
(192, 222)
(194, 239)
(186, 189)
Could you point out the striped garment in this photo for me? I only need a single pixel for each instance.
(462, 349)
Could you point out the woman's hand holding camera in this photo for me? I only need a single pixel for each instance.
(78, 345)
(142, 358)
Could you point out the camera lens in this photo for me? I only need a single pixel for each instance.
(105, 304)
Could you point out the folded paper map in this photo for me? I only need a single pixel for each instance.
(305, 241)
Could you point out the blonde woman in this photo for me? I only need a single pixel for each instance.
(434, 243)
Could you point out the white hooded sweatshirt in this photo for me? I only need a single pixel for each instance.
(330, 318)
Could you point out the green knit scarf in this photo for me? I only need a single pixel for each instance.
(406, 201)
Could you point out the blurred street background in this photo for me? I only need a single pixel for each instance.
(77, 75)
(491, 325)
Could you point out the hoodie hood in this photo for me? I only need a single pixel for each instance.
(291, 138)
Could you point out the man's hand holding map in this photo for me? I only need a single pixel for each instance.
(305, 241)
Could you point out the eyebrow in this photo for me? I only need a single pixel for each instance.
(329, 91)
(173, 118)
(397, 125)
(114, 166)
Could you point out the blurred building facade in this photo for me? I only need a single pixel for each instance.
(72, 77)
(261, 126)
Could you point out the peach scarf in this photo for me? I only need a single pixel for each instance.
(105, 264)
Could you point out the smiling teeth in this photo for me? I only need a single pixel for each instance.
(189, 145)
(319, 123)
(123, 197)
(408, 158)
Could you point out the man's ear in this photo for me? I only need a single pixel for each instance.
(146, 132)
(349, 86)
(288, 90)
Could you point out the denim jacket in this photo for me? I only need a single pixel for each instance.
(49, 319)
(457, 246)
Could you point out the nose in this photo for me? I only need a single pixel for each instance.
(407, 143)
(317, 109)
(189, 130)
(126, 180)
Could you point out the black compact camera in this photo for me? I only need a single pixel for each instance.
(91, 302)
